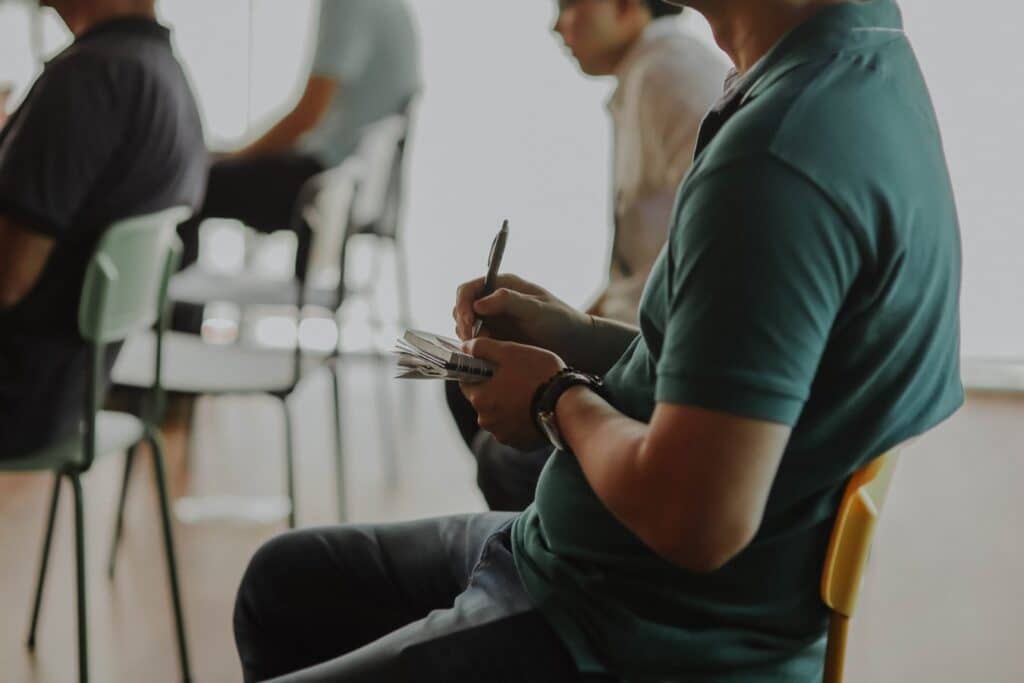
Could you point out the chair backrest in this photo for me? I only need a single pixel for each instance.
(124, 279)
(360, 196)
(848, 552)
(325, 205)
(382, 151)
(123, 294)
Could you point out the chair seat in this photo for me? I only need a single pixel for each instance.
(115, 432)
(192, 366)
(197, 286)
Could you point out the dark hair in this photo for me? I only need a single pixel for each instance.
(660, 8)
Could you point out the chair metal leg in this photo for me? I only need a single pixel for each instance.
(388, 435)
(190, 435)
(129, 460)
(402, 285)
(339, 458)
(83, 621)
(44, 561)
(289, 461)
(372, 295)
(407, 397)
(159, 472)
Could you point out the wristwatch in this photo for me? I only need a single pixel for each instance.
(546, 398)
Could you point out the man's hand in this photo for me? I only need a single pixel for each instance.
(305, 116)
(23, 255)
(503, 402)
(519, 311)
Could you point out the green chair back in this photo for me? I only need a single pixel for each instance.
(124, 294)
(120, 295)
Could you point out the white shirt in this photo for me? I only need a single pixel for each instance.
(667, 83)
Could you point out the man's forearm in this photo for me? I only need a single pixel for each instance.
(306, 114)
(607, 445)
(23, 254)
(598, 346)
(280, 138)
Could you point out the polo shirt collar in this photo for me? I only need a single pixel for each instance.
(129, 24)
(849, 25)
(833, 29)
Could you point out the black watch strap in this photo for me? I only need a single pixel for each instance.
(546, 399)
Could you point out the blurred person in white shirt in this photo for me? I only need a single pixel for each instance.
(667, 78)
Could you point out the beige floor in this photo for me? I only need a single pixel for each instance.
(942, 602)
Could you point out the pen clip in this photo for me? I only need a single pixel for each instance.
(494, 249)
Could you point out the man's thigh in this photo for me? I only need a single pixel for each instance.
(312, 595)
(492, 632)
(260, 191)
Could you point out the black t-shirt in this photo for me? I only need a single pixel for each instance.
(109, 130)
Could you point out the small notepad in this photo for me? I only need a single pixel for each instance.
(422, 355)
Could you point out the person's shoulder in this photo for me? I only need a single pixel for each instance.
(815, 112)
(679, 77)
(79, 79)
(852, 124)
(857, 118)
(681, 57)
(77, 61)
(856, 102)
(112, 63)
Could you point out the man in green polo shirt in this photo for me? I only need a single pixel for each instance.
(802, 319)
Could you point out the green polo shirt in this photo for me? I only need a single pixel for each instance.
(811, 278)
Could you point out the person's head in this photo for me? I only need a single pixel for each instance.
(600, 32)
(81, 15)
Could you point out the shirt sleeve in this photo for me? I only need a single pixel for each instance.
(59, 142)
(345, 39)
(761, 262)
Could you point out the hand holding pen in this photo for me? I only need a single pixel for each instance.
(519, 311)
(493, 266)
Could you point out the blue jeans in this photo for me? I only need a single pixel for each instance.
(431, 600)
(506, 476)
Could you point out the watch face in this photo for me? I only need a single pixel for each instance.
(547, 398)
(550, 427)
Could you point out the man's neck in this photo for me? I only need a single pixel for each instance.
(84, 18)
(748, 29)
(635, 35)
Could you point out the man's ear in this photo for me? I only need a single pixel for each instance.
(626, 6)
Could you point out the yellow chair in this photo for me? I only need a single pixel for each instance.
(848, 553)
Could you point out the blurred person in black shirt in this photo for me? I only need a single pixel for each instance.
(109, 130)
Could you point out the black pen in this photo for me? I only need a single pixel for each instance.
(493, 265)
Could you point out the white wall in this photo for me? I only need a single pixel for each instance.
(508, 127)
(970, 55)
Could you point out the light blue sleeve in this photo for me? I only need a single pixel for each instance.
(344, 39)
